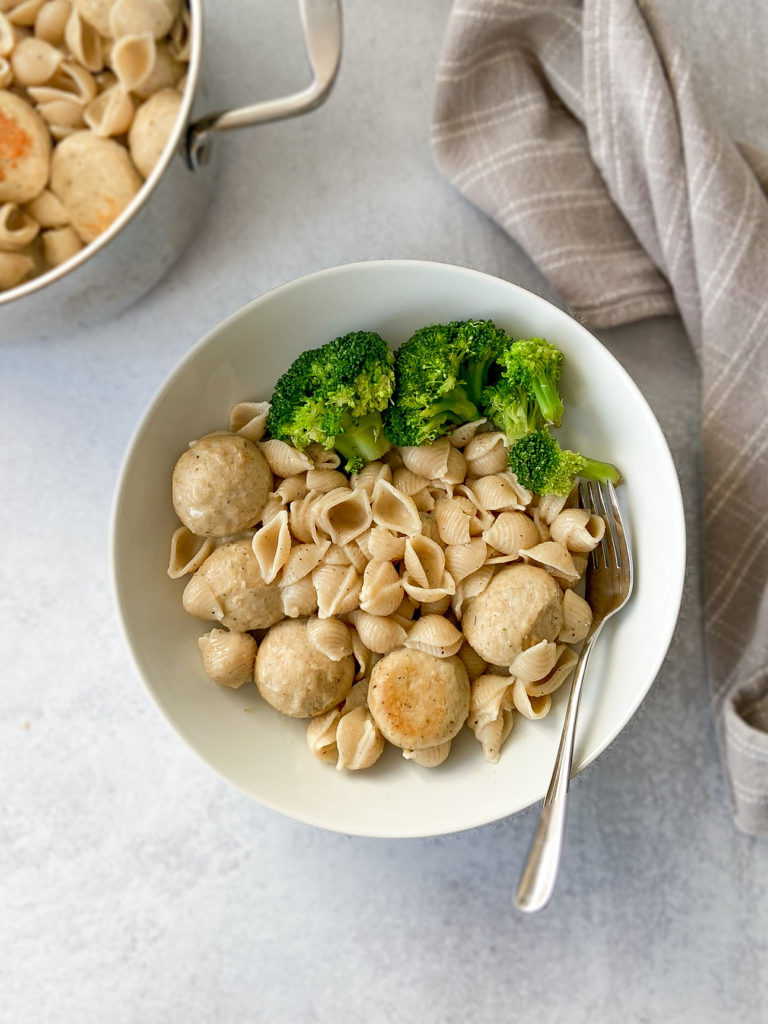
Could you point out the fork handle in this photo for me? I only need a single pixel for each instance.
(537, 881)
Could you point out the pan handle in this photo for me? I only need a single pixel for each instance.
(321, 24)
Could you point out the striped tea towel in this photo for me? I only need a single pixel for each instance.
(575, 125)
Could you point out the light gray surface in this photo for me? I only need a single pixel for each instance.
(136, 886)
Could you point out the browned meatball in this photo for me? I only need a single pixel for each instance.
(418, 700)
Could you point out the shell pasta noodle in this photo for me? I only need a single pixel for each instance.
(90, 92)
(420, 592)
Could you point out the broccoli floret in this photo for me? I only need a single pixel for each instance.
(531, 368)
(334, 396)
(440, 374)
(542, 466)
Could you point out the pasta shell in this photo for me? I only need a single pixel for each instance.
(370, 474)
(364, 658)
(427, 595)
(51, 21)
(180, 39)
(471, 586)
(487, 453)
(343, 514)
(358, 695)
(424, 500)
(249, 419)
(565, 664)
(34, 62)
(60, 245)
(453, 517)
(577, 618)
(408, 482)
(550, 506)
(323, 458)
(48, 210)
(358, 740)
(436, 635)
(379, 633)
(336, 555)
(429, 757)
(325, 480)
(337, 588)
(283, 459)
(7, 36)
(438, 607)
(200, 599)
(132, 17)
(71, 82)
(6, 73)
(382, 590)
(578, 529)
(456, 467)
(14, 267)
(553, 557)
(529, 705)
(110, 113)
(473, 663)
(483, 519)
(133, 58)
(299, 598)
(188, 552)
(355, 556)
(301, 560)
(407, 609)
(384, 546)
(394, 510)
(302, 518)
(331, 637)
(272, 546)
(463, 434)
(493, 735)
(83, 42)
(461, 560)
(24, 12)
(428, 460)
(291, 488)
(535, 662)
(485, 699)
(510, 532)
(424, 562)
(272, 507)
(228, 658)
(17, 228)
(496, 492)
(321, 735)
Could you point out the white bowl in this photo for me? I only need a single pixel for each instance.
(264, 753)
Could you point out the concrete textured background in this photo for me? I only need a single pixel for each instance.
(138, 887)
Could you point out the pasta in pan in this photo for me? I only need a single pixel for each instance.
(90, 92)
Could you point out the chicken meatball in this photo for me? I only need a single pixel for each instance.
(418, 700)
(229, 588)
(295, 677)
(521, 606)
(220, 485)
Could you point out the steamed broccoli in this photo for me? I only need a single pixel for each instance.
(524, 395)
(543, 467)
(334, 396)
(440, 374)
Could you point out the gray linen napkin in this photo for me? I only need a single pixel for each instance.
(576, 126)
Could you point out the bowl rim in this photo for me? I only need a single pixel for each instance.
(673, 501)
(173, 147)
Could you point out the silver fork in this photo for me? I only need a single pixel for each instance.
(609, 583)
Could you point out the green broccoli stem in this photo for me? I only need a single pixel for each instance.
(602, 472)
(453, 407)
(550, 403)
(365, 439)
(476, 378)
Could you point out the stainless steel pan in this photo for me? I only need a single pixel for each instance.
(137, 249)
